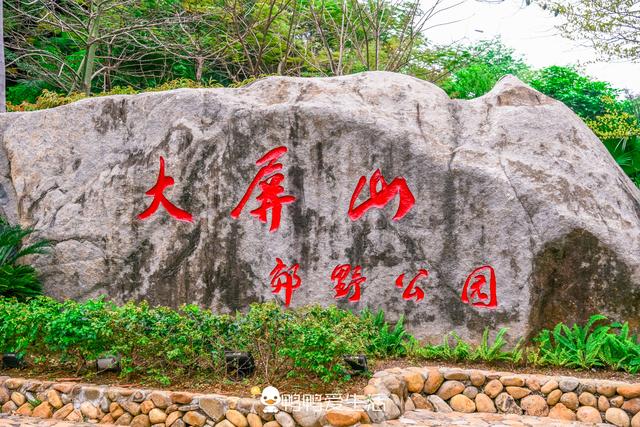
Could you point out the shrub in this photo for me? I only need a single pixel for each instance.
(16, 279)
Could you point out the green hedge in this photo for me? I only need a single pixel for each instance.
(161, 343)
(156, 341)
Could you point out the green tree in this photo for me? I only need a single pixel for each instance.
(611, 26)
(479, 68)
(17, 279)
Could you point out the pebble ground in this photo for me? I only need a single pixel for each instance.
(419, 418)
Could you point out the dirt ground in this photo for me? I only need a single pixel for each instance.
(203, 384)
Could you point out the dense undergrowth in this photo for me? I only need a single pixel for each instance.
(307, 343)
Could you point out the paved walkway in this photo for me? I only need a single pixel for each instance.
(7, 420)
(419, 418)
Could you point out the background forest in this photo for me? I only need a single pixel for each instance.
(57, 51)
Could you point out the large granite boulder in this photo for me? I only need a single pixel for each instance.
(512, 180)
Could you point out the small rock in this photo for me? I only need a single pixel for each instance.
(588, 399)
(187, 408)
(271, 424)
(477, 378)
(181, 397)
(115, 410)
(554, 397)
(606, 389)
(534, 382)
(236, 418)
(172, 417)
(603, 404)
(43, 410)
(629, 391)
(512, 380)
(160, 399)
(9, 407)
(147, 406)
(561, 412)
(63, 412)
(518, 392)
(223, 423)
(448, 389)
(141, 420)
(76, 416)
(54, 399)
(131, 407)
(342, 417)
(14, 383)
(456, 374)
(414, 380)
(178, 423)
(588, 414)
(549, 386)
(568, 384)
(4, 396)
(194, 418)
(107, 419)
(88, 410)
(18, 398)
(157, 416)
(124, 419)
(493, 388)
(535, 405)
(635, 421)
(485, 404)
(433, 382)
(409, 406)
(617, 401)
(137, 396)
(214, 408)
(461, 403)
(471, 392)
(421, 402)
(507, 404)
(632, 406)
(439, 405)
(286, 420)
(617, 417)
(255, 421)
(570, 400)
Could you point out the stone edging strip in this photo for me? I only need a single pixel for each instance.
(469, 391)
(388, 395)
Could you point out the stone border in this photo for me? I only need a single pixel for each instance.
(392, 392)
(77, 402)
(468, 391)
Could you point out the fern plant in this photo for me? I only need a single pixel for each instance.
(16, 279)
(494, 352)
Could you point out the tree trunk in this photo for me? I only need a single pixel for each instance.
(199, 67)
(3, 82)
(90, 56)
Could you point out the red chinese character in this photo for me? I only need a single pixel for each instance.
(158, 198)
(412, 290)
(474, 294)
(285, 277)
(340, 274)
(380, 198)
(269, 182)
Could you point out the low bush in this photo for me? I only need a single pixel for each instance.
(153, 341)
(308, 343)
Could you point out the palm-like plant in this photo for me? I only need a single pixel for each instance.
(16, 279)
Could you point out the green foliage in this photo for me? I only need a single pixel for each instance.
(309, 342)
(16, 279)
(592, 345)
(586, 97)
(481, 66)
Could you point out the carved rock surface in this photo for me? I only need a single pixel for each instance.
(512, 179)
